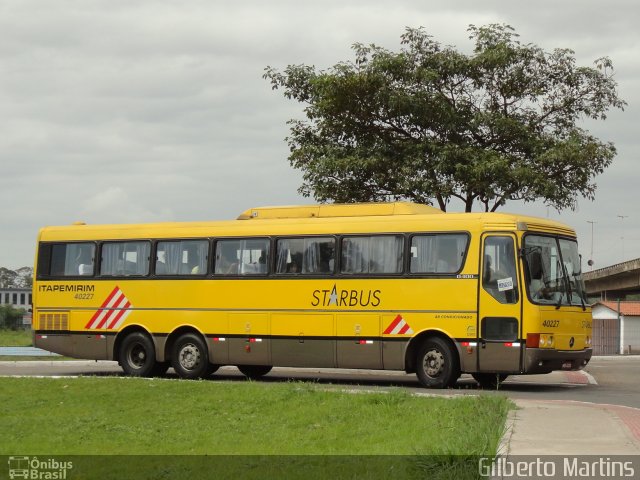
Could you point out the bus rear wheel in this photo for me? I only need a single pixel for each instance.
(437, 364)
(137, 355)
(189, 357)
(254, 372)
(489, 381)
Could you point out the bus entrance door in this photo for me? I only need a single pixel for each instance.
(499, 306)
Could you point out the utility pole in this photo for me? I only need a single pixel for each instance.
(590, 262)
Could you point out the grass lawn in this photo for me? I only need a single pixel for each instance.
(295, 426)
(127, 416)
(15, 338)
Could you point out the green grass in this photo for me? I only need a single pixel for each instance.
(15, 338)
(386, 433)
(132, 416)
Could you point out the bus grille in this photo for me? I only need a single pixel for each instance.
(53, 321)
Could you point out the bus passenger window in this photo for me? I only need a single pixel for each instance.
(308, 256)
(380, 254)
(438, 253)
(182, 257)
(125, 259)
(226, 257)
(68, 259)
(242, 257)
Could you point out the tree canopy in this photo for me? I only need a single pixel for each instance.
(430, 123)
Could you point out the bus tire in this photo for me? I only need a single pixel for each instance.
(137, 355)
(489, 381)
(189, 357)
(254, 372)
(437, 364)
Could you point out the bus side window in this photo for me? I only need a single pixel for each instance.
(182, 257)
(377, 254)
(67, 260)
(242, 257)
(226, 257)
(125, 258)
(438, 253)
(305, 256)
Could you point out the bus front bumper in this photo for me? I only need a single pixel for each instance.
(542, 360)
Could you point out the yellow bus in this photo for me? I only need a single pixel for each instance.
(393, 286)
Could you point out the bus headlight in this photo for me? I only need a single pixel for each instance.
(540, 340)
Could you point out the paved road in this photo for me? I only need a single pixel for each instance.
(617, 379)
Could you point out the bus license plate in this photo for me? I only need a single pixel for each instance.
(567, 366)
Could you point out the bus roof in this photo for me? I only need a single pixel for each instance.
(339, 210)
(315, 219)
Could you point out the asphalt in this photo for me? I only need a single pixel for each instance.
(570, 428)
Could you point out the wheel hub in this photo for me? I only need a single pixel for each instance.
(189, 356)
(138, 356)
(433, 363)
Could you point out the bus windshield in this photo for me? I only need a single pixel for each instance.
(553, 271)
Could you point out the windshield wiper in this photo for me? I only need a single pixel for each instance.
(565, 283)
(575, 276)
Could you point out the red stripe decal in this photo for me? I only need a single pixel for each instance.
(404, 329)
(110, 313)
(393, 325)
(106, 302)
(120, 313)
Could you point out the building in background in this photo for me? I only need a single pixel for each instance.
(616, 327)
(19, 298)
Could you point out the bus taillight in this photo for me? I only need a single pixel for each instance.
(533, 340)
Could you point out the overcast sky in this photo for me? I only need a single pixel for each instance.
(140, 111)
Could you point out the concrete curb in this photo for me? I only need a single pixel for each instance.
(504, 447)
(613, 358)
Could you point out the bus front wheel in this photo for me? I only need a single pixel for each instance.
(437, 364)
(137, 355)
(189, 357)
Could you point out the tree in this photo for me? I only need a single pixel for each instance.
(20, 278)
(7, 278)
(10, 317)
(430, 124)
